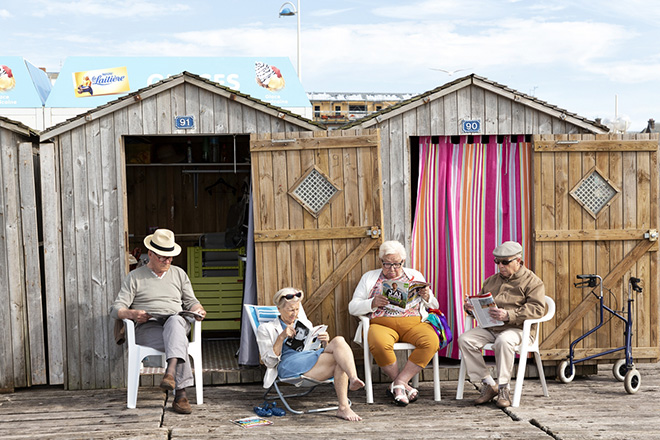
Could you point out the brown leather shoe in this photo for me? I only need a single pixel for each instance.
(503, 398)
(488, 392)
(167, 383)
(182, 406)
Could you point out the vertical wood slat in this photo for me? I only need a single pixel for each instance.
(7, 382)
(15, 279)
(30, 248)
(53, 282)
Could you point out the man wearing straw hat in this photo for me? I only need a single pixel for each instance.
(152, 296)
(519, 295)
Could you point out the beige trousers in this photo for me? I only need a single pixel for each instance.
(504, 343)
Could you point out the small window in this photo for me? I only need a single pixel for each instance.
(317, 111)
(337, 110)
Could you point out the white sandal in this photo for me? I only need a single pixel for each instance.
(401, 399)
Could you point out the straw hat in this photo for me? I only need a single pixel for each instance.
(162, 243)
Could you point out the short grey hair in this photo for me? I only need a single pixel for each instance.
(392, 247)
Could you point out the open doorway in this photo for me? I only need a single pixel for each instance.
(197, 186)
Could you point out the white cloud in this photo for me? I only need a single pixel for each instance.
(327, 12)
(138, 9)
(5, 13)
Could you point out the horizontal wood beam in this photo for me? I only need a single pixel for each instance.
(559, 354)
(314, 143)
(594, 145)
(590, 301)
(590, 235)
(313, 234)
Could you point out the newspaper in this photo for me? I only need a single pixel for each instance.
(482, 304)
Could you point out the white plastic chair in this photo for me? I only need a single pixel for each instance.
(262, 314)
(136, 353)
(523, 350)
(399, 346)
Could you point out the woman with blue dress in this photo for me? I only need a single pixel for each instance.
(283, 357)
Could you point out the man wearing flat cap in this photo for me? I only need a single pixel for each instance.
(152, 296)
(519, 295)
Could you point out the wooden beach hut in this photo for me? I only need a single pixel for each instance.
(174, 154)
(474, 162)
(22, 327)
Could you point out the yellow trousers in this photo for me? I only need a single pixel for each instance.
(385, 331)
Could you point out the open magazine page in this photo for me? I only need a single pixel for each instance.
(402, 296)
(482, 304)
(305, 338)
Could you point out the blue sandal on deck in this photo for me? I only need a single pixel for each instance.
(277, 412)
(263, 410)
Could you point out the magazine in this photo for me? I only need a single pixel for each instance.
(402, 296)
(483, 303)
(251, 422)
(189, 315)
(306, 338)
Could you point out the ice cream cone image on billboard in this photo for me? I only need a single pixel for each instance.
(269, 76)
(7, 80)
(109, 81)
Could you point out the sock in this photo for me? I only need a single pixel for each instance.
(489, 381)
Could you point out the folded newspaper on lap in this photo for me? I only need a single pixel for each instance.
(306, 338)
(482, 304)
(402, 296)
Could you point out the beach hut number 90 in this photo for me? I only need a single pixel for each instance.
(471, 126)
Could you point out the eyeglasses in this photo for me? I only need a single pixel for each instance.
(162, 257)
(290, 296)
(504, 262)
(391, 265)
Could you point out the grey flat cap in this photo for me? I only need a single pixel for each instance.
(507, 249)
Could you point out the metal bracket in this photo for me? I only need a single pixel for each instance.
(374, 232)
(651, 235)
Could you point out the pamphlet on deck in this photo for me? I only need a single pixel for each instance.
(402, 296)
(251, 422)
(482, 304)
(306, 338)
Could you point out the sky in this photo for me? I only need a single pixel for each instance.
(596, 58)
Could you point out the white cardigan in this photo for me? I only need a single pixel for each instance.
(361, 303)
(267, 333)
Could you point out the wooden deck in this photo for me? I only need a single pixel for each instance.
(593, 407)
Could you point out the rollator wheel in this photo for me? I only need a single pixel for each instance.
(632, 381)
(619, 370)
(566, 372)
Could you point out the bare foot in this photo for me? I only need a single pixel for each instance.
(348, 414)
(355, 384)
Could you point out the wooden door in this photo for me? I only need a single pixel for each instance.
(596, 212)
(317, 217)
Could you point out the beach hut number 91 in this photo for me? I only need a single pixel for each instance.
(471, 126)
(184, 122)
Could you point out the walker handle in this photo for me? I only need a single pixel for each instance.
(590, 280)
(634, 283)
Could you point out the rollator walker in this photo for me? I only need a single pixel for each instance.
(624, 369)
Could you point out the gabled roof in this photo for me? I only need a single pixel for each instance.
(492, 86)
(17, 127)
(168, 83)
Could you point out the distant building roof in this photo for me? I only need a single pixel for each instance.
(353, 96)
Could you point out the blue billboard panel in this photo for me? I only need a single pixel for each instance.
(88, 82)
(17, 84)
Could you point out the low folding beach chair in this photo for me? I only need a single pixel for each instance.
(261, 314)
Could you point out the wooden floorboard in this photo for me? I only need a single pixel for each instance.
(591, 407)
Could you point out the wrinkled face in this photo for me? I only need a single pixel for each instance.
(289, 310)
(392, 266)
(508, 266)
(159, 263)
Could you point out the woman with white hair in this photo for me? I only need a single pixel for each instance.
(334, 359)
(390, 324)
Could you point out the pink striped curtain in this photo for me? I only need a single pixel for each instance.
(471, 197)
